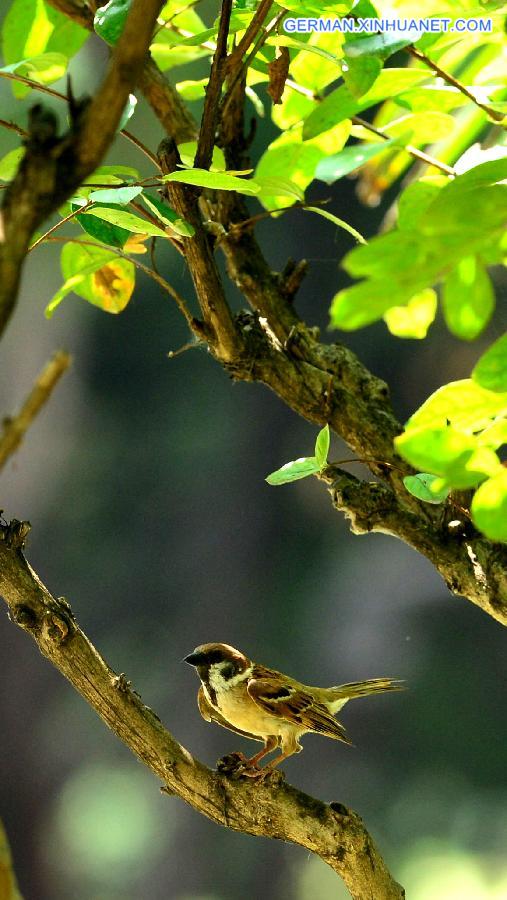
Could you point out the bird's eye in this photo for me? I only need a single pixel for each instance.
(227, 671)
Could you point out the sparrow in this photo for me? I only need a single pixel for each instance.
(264, 705)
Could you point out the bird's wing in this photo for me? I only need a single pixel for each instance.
(211, 714)
(292, 703)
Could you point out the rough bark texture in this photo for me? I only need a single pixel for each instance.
(53, 166)
(273, 809)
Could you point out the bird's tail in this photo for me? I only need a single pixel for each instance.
(339, 695)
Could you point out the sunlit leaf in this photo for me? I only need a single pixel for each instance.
(126, 220)
(468, 299)
(464, 403)
(489, 507)
(414, 319)
(10, 163)
(332, 168)
(491, 370)
(293, 471)
(322, 446)
(220, 181)
(341, 104)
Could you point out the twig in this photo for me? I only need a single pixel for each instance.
(450, 79)
(51, 92)
(241, 70)
(414, 151)
(12, 126)
(250, 35)
(50, 231)
(15, 428)
(207, 130)
(168, 288)
(239, 226)
(191, 345)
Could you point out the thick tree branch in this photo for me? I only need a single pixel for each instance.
(469, 564)
(54, 166)
(162, 97)
(15, 428)
(274, 809)
(223, 336)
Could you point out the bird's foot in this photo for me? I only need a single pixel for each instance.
(235, 764)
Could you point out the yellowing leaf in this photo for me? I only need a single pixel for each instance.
(113, 285)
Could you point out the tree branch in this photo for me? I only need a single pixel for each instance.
(469, 564)
(162, 97)
(54, 166)
(223, 336)
(14, 429)
(274, 809)
(494, 114)
(206, 140)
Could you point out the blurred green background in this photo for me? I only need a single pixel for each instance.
(144, 482)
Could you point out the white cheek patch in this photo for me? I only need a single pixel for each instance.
(220, 684)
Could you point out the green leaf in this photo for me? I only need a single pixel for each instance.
(490, 371)
(292, 163)
(219, 181)
(464, 403)
(121, 196)
(494, 435)
(274, 186)
(364, 303)
(415, 199)
(168, 216)
(332, 168)
(45, 68)
(489, 507)
(293, 471)
(414, 319)
(32, 27)
(10, 163)
(447, 452)
(341, 104)
(188, 149)
(381, 46)
(126, 220)
(360, 74)
(468, 299)
(284, 40)
(340, 223)
(426, 487)
(322, 446)
(101, 230)
(110, 20)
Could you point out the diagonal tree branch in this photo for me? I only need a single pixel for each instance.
(274, 809)
(54, 166)
(162, 97)
(15, 428)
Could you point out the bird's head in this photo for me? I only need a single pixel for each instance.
(218, 662)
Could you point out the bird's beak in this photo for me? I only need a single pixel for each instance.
(193, 659)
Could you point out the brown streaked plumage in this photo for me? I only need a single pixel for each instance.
(265, 705)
